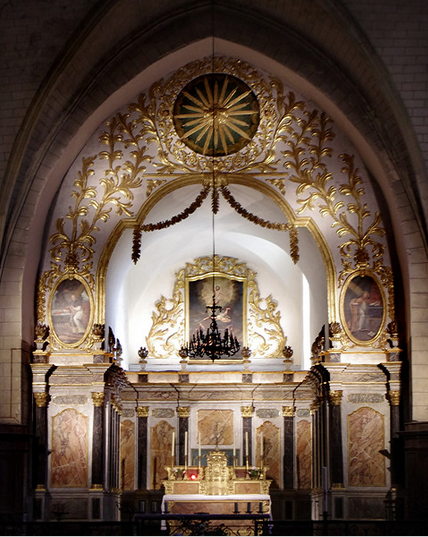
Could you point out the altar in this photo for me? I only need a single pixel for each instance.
(231, 504)
(216, 489)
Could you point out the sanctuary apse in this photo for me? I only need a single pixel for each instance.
(113, 382)
(218, 173)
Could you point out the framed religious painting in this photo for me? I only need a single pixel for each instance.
(363, 307)
(70, 311)
(228, 293)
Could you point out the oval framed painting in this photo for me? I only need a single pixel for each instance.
(362, 308)
(70, 311)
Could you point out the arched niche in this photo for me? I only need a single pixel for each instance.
(132, 290)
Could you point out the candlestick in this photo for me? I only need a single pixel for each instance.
(246, 444)
(173, 444)
(185, 445)
(234, 451)
(200, 451)
(261, 445)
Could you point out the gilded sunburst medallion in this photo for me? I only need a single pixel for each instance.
(216, 114)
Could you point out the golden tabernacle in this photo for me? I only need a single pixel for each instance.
(216, 488)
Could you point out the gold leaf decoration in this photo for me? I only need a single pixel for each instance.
(264, 326)
(166, 335)
(152, 184)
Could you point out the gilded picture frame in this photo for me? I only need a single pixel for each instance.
(70, 311)
(363, 307)
(230, 293)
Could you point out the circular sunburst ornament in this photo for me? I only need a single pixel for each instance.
(216, 114)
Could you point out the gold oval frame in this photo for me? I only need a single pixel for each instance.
(342, 312)
(54, 334)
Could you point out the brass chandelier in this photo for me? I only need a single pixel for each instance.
(212, 343)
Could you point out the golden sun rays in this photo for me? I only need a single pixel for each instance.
(216, 114)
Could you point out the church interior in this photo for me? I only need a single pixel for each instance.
(214, 276)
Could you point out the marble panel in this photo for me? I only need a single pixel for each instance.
(127, 456)
(266, 413)
(160, 452)
(271, 451)
(366, 398)
(216, 427)
(163, 412)
(246, 487)
(303, 454)
(366, 508)
(186, 487)
(366, 436)
(70, 399)
(69, 457)
(68, 509)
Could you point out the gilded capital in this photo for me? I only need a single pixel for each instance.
(288, 411)
(336, 397)
(98, 398)
(41, 399)
(115, 403)
(394, 397)
(315, 406)
(143, 411)
(183, 411)
(247, 411)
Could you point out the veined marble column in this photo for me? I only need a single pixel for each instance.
(183, 428)
(316, 461)
(247, 433)
(143, 414)
(42, 400)
(98, 441)
(394, 401)
(288, 413)
(114, 445)
(335, 433)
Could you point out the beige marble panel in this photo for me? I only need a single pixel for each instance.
(69, 457)
(303, 454)
(246, 487)
(366, 436)
(127, 457)
(216, 427)
(186, 487)
(271, 451)
(160, 452)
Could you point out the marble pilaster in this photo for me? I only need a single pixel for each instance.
(183, 427)
(335, 434)
(247, 433)
(42, 400)
(288, 413)
(98, 441)
(143, 414)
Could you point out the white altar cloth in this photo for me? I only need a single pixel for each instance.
(213, 498)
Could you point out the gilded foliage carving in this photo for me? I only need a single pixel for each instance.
(292, 146)
(307, 135)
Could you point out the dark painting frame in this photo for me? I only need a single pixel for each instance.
(230, 293)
